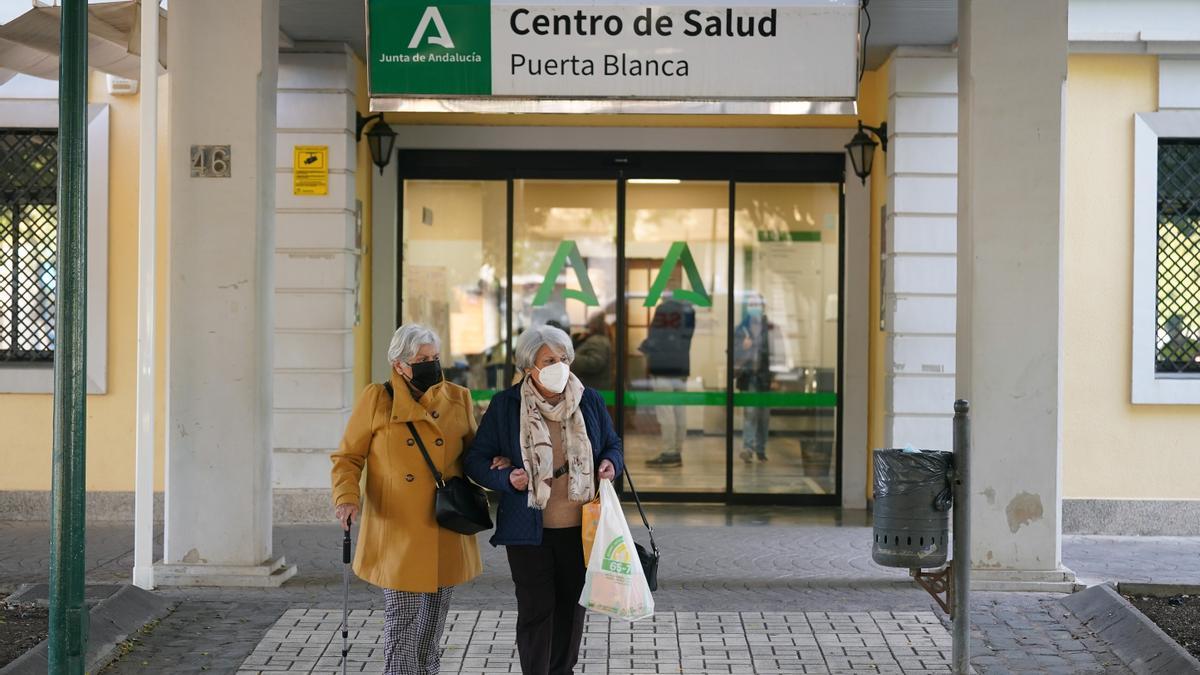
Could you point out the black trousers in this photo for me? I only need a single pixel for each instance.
(549, 579)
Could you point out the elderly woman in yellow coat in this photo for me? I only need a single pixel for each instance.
(400, 546)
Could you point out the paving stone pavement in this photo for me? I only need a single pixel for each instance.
(716, 558)
(690, 643)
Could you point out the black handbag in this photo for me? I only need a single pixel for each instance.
(459, 505)
(649, 559)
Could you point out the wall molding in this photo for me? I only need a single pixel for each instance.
(39, 379)
(1147, 385)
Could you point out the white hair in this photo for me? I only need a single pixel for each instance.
(536, 337)
(408, 340)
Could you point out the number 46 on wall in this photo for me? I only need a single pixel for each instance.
(211, 161)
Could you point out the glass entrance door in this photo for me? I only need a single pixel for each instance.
(677, 290)
(785, 338)
(705, 310)
(453, 275)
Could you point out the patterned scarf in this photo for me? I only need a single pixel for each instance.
(538, 453)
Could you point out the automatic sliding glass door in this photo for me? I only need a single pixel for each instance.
(677, 289)
(707, 312)
(564, 249)
(785, 338)
(453, 272)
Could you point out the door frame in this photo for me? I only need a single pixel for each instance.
(619, 166)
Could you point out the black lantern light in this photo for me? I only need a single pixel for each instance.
(861, 149)
(380, 139)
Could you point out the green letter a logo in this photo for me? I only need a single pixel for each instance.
(567, 252)
(679, 254)
(432, 15)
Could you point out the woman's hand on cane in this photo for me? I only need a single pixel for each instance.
(345, 513)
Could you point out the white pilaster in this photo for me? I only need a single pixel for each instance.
(919, 248)
(1179, 83)
(1012, 73)
(316, 268)
(224, 63)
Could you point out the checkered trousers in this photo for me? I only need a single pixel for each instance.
(413, 630)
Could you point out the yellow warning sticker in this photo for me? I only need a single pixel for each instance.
(310, 170)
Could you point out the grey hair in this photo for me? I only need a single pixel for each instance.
(536, 337)
(408, 340)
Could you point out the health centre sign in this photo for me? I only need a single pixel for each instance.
(785, 50)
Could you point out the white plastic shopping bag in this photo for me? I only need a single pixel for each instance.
(615, 584)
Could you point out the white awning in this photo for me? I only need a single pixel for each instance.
(29, 43)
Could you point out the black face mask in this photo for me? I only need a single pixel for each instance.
(426, 374)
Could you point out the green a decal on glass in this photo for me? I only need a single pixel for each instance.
(567, 252)
(679, 254)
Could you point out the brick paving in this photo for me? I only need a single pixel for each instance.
(716, 559)
(481, 642)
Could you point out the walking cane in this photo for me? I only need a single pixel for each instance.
(346, 593)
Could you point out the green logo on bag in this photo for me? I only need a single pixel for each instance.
(616, 558)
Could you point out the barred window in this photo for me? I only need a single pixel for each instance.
(28, 243)
(1178, 275)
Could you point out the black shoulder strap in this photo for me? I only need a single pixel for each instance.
(645, 520)
(412, 428)
(437, 475)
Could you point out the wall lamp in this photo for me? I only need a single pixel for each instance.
(861, 148)
(380, 139)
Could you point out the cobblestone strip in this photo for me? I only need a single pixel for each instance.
(308, 641)
(199, 637)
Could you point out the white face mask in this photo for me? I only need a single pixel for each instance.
(554, 377)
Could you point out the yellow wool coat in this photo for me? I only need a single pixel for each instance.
(400, 545)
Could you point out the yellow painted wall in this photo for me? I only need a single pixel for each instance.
(26, 419)
(567, 120)
(362, 187)
(873, 109)
(1111, 448)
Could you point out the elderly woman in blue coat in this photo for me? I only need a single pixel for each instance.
(542, 444)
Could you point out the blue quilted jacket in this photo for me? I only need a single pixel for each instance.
(498, 435)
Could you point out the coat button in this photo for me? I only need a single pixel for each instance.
(411, 441)
(434, 414)
(438, 442)
(409, 478)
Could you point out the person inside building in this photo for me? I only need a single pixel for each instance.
(542, 444)
(400, 546)
(668, 348)
(752, 369)
(593, 354)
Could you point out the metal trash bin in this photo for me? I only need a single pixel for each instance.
(913, 494)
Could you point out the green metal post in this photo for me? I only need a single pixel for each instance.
(68, 616)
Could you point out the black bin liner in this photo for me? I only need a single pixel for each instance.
(913, 495)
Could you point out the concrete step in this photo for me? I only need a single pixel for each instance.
(270, 574)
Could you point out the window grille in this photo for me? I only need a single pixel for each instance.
(1178, 274)
(28, 243)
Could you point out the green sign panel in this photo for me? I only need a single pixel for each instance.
(781, 50)
(442, 49)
